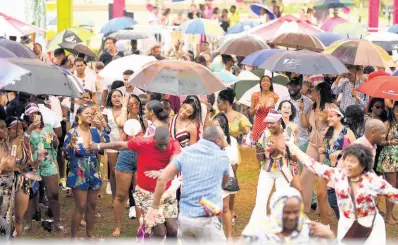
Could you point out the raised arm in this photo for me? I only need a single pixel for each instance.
(388, 191)
(118, 145)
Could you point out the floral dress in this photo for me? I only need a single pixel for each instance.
(48, 166)
(336, 148)
(238, 125)
(84, 171)
(388, 159)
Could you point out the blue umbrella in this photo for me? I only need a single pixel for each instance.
(258, 6)
(10, 72)
(395, 73)
(327, 38)
(256, 58)
(227, 77)
(117, 24)
(393, 29)
(242, 26)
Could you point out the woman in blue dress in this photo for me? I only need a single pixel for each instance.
(84, 175)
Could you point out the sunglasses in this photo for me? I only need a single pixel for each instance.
(377, 107)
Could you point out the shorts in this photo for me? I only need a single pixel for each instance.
(84, 177)
(168, 204)
(127, 162)
(23, 184)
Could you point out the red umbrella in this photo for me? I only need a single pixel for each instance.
(14, 27)
(330, 23)
(385, 87)
(284, 24)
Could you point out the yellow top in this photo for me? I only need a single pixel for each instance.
(234, 19)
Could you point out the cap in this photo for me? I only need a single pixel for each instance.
(295, 81)
(31, 108)
(273, 116)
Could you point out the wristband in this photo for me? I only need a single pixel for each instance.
(99, 146)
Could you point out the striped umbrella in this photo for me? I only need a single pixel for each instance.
(360, 52)
(201, 26)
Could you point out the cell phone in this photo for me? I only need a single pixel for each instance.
(14, 150)
(37, 118)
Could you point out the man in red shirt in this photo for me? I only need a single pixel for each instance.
(154, 154)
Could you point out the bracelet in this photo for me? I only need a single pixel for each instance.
(99, 146)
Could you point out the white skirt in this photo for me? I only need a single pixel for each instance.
(378, 235)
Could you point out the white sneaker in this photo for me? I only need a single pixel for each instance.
(132, 213)
(108, 189)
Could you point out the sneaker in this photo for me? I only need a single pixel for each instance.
(132, 213)
(108, 189)
(62, 184)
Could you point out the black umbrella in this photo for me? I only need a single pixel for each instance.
(18, 49)
(44, 79)
(5, 53)
(77, 48)
(129, 35)
(70, 37)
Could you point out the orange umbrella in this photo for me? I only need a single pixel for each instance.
(298, 41)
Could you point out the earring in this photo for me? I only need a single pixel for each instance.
(79, 121)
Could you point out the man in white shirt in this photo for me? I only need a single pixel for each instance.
(153, 16)
(129, 89)
(88, 81)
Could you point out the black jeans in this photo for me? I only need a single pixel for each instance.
(332, 199)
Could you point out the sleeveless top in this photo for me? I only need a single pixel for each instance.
(182, 136)
(116, 133)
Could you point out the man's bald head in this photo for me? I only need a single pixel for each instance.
(375, 131)
(216, 135)
(162, 138)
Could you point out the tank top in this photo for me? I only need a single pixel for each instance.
(182, 136)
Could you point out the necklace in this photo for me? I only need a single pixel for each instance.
(356, 179)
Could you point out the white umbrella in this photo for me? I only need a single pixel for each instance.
(246, 99)
(387, 40)
(13, 27)
(114, 70)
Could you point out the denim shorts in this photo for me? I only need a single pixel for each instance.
(127, 162)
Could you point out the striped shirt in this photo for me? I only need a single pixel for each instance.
(203, 166)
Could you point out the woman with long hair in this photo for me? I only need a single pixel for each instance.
(388, 161)
(43, 141)
(261, 103)
(156, 115)
(232, 151)
(84, 175)
(337, 137)
(355, 120)
(318, 124)
(126, 166)
(224, 19)
(377, 109)
(115, 114)
(184, 125)
(216, 15)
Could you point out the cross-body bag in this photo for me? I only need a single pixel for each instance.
(357, 231)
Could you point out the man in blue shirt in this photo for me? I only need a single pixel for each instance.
(205, 170)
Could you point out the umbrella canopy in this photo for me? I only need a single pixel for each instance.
(201, 26)
(284, 24)
(333, 4)
(246, 98)
(393, 29)
(226, 77)
(385, 87)
(5, 53)
(243, 45)
(10, 72)
(18, 49)
(43, 79)
(327, 38)
(360, 52)
(14, 27)
(351, 29)
(304, 62)
(71, 35)
(129, 35)
(387, 40)
(258, 7)
(256, 58)
(242, 26)
(77, 21)
(330, 23)
(114, 70)
(77, 48)
(176, 77)
(117, 24)
(298, 41)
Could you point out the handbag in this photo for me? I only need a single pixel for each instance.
(357, 231)
(232, 185)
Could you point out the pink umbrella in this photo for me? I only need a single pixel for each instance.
(330, 23)
(14, 27)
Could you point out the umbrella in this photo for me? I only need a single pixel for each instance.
(77, 48)
(243, 45)
(242, 26)
(330, 23)
(298, 41)
(304, 62)
(284, 24)
(201, 26)
(256, 58)
(114, 70)
(256, 8)
(5, 53)
(385, 87)
(246, 98)
(226, 77)
(18, 49)
(360, 52)
(129, 35)
(327, 38)
(176, 77)
(14, 27)
(44, 78)
(393, 29)
(77, 21)
(117, 24)
(71, 35)
(351, 29)
(333, 4)
(9, 72)
(386, 40)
